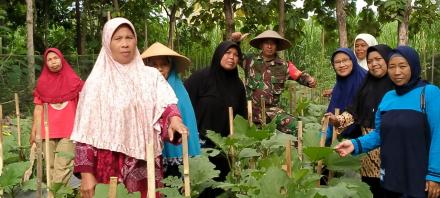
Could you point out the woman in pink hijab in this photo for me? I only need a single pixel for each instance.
(122, 106)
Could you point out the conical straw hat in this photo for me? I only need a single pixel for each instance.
(158, 49)
(282, 43)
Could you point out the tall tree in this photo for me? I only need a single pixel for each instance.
(80, 39)
(282, 16)
(404, 24)
(229, 17)
(30, 44)
(342, 24)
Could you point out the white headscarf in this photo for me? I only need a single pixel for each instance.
(370, 40)
(120, 104)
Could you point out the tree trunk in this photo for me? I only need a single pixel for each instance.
(403, 26)
(146, 36)
(229, 17)
(45, 23)
(282, 16)
(30, 44)
(172, 27)
(79, 45)
(116, 6)
(341, 17)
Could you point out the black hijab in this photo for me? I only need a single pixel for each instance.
(364, 105)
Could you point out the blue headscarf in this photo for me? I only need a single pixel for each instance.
(412, 57)
(346, 87)
(188, 118)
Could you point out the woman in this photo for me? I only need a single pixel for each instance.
(212, 91)
(59, 87)
(361, 111)
(349, 78)
(407, 130)
(123, 106)
(361, 44)
(169, 63)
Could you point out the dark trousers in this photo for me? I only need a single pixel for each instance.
(375, 186)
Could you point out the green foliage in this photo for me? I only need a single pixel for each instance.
(101, 190)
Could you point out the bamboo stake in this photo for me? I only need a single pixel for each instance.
(1, 144)
(263, 111)
(249, 110)
(151, 177)
(39, 157)
(186, 178)
(47, 151)
(300, 139)
(335, 129)
(112, 187)
(109, 16)
(289, 157)
(322, 144)
(291, 105)
(231, 121)
(17, 112)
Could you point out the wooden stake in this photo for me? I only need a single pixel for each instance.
(186, 178)
(112, 187)
(17, 112)
(291, 108)
(300, 139)
(263, 111)
(249, 110)
(335, 129)
(39, 157)
(47, 151)
(322, 144)
(294, 99)
(109, 16)
(151, 170)
(289, 157)
(231, 121)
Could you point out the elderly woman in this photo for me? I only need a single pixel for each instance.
(361, 111)
(361, 44)
(407, 130)
(349, 78)
(169, 63)
(123, 106)
(59, 87)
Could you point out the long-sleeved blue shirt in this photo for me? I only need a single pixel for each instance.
(407, 103)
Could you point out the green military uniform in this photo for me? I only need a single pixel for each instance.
(267, 79)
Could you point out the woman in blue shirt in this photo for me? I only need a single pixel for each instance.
(407, 130)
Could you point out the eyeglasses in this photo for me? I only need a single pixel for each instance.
(340, 62)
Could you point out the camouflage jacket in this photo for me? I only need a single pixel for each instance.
(268, 79)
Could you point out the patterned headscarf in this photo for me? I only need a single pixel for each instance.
(120, 105)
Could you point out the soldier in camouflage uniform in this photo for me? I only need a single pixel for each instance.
(265, 77)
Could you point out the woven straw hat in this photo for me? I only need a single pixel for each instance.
(282, 43)
(158, 49)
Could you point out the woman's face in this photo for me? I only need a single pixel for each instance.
(53, 62)
(342, 64)
(399, 70)
(376, 64)
(360, 48)
(162, 64)
(229, 60)
(123, 45)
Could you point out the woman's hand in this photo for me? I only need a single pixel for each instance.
(327, 93)
(344, 148)
(433, 189)
(332, 119)
(176, 125)
(311, 82)
(88, 183)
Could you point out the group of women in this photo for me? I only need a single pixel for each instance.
(123, 105)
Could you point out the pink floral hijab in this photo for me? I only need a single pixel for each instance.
(120, 104)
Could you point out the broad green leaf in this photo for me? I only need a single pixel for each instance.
(273, 183)
(211, 152)
(170, 192)
(248, 152)
(311, 135)
(317, 153)
(173, 181)
(101, 190)
(277, 140)
(338, 191)
(218, 140)
(60, 190)
(362, 189)
(336, 163)
(13, 173)
(201, 170)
